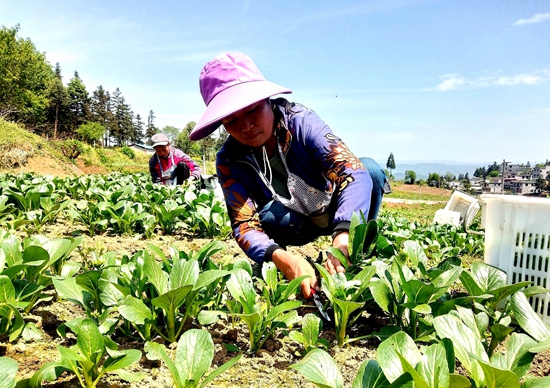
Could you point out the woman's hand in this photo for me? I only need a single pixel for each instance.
(332, 264)
(293, 266)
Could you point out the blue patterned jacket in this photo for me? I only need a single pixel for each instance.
(313, 153)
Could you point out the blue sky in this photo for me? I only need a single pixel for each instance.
(457, 81)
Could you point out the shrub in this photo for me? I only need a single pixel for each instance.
(90, 132)
(71, 148)
(102, 156)
(128, 152)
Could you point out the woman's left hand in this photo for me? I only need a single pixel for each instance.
(332, 264)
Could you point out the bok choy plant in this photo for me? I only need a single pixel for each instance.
(411, 294)
(308, 336)
(12, 323)
(506, 368)
(348, 293)
(491, 293)
(193, 358)
(92, 291)
(167, 215)
(32, 264)
(399, 364)
(89, 213)
(93, 356)
(8, 368)
(320, 368)
(174, 290)
(261, 317)
(347, 297)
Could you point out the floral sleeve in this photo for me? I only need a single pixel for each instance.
(346, 174)
(243, 215)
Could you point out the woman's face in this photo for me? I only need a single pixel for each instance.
(251, 126)
(162, 150)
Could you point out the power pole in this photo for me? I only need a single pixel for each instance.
(502, 180)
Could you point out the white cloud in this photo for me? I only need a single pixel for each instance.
(456, 82)
(451, 82)
(542, 110)
(537, 18)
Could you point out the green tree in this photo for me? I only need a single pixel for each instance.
(122, 126)
(449, 176)
(101, 110)
(492, 167)
(410, 177)
(539, 184)
(480, 172)
(220, 140)
(171, 132)
(208, 145)
(433, 179)
(139, 131)
(25, 77)
(58, 96)
(390, 164)
(90, 132)
(192, 148)
(150, 130)
(79, 102)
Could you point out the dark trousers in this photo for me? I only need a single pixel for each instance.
(288, 227)
(182, 172)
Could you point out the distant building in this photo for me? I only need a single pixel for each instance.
(476, 185)
(493, 185)
(523, 187)
(518, 179)
(142, 147)
(541, 172)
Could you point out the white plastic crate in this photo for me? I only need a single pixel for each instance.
(443, 216)
(517, 240)
(460, 209)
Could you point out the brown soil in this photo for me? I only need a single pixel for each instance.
(46, 165)
(269, 367)
(420, 190)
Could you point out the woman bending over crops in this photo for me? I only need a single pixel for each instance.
(171, 166)
(286, 177)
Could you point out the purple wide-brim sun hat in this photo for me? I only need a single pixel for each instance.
(229, 83)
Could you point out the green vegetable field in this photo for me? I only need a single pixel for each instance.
(181, 306)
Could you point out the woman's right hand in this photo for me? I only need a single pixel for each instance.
(293, 266)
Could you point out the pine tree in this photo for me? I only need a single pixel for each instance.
(138, 134)
(79, 102)
(58, 111)
(151, 129)
(122, 126)
(390, 164)
(101, 110)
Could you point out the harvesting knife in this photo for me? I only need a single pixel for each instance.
(319, 304)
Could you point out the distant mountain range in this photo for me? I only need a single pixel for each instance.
(422, 170)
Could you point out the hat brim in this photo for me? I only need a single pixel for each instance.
(232, 100)
(160, 143)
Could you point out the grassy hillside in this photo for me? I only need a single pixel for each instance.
(22, 151)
